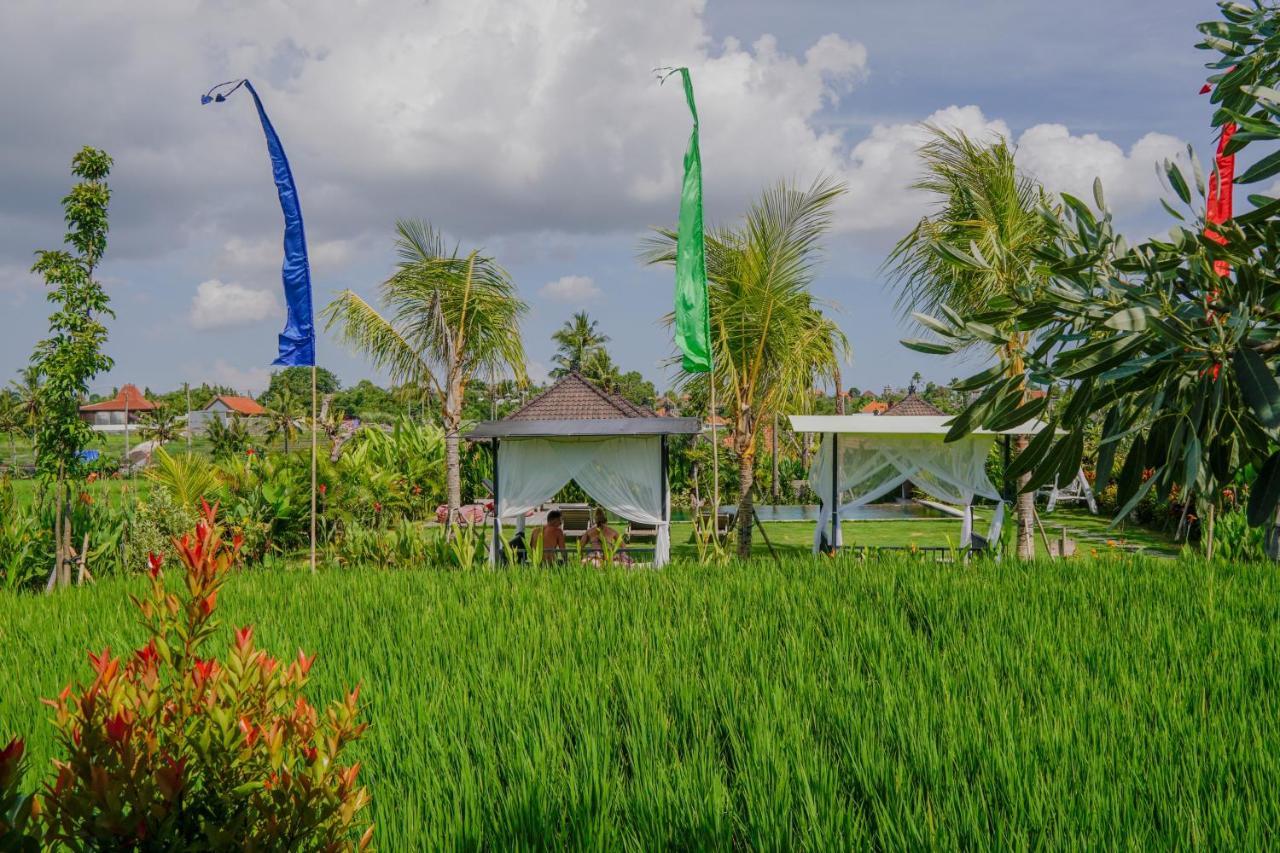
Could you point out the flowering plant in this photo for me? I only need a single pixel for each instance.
(169, 749)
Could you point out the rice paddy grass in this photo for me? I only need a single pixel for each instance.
(808, 704)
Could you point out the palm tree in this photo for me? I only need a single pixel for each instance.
(159, 425)
(26, 388)
(12, 421)
(770, 341)
(579, 343)
(451, 317)
(986, 210)
(284, 413)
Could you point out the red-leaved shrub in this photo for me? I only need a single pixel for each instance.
(167, 749)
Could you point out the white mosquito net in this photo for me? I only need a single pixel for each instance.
(872, 465)
(623, 473)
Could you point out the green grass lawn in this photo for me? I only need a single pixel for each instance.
(820, 704)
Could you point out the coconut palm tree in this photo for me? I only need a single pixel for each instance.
(770, 340)
(985, 209)
(26, 388)
(284, 415)
(579, 342)
(159, 424)
(450, 317)
(12, 422)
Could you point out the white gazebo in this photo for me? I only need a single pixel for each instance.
(615, 450)
(878, 453)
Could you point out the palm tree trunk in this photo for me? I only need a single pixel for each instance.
(745, 447)
(746, 504)
(452, 418)
(839, 393)
(1026, 508)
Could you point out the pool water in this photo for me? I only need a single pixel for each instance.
(809, 512)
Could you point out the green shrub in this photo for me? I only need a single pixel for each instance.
(157, 521)
(167, 749)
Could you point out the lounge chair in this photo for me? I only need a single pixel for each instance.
(640, 530)
(575, 518)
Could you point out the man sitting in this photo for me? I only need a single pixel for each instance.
(550, 539)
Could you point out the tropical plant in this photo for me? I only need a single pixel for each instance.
(189, 477)
(1173, 344)
(157, 521)
(986, 209)
(159, 425)
(19, 827)
(13, 422)
(577, 342)
(26, 390)
(451, 318)
(228, 437)
(72, 353)
(285, 413)
(170, 750)
(770, 340)
(26, 543)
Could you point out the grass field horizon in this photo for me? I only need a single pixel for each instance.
(813, 703)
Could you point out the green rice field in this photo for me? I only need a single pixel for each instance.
(824, 704)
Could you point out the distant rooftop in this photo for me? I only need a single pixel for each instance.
(912, 405)
(129, 398)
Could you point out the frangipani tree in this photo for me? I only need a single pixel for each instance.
(450, 317)
(1153, 339)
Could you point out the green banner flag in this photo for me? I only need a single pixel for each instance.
(693, 319)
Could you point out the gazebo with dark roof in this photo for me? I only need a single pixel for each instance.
(575, 431)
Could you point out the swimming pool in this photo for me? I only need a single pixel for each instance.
(809, 512)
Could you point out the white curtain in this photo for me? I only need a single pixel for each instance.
(872, 465)
(623, 473)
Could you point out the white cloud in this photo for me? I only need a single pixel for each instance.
(1067, 163)
(574, 289)
(218, 305)
(268, 254)
(253, 380)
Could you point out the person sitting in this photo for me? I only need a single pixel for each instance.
(601, 538)
(550, 539)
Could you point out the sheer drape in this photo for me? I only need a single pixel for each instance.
(870, 466)
(623, 473)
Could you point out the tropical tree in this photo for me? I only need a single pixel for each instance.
(12, 422)
(578, 342)
(72, 353)
(284, 415)
(1173, 344)
(451, 317)
(228, 437)
(26, 391)
(770, 340)
(987, 209)
(159, 424)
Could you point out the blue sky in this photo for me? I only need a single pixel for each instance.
(535, 130)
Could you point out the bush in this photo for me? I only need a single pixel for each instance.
(157, 521)
(175, 751)
(17, 810)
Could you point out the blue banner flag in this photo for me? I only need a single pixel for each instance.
(298, 340)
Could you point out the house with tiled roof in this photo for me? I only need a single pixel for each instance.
(224, 407)
(875, 407)
(912, 404)
(112, 415)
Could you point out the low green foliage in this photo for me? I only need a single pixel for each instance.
(814, 704)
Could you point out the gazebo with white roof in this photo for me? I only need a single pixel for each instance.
(574, 431)
(877, 453)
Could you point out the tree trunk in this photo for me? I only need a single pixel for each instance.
(775, 485)
(1026, 508)
(746, 506)
(839, 395)
(451, 416)
(745, 447)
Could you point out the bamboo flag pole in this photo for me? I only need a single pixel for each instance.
(313, 469)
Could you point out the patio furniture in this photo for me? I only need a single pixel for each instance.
(575, 519)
